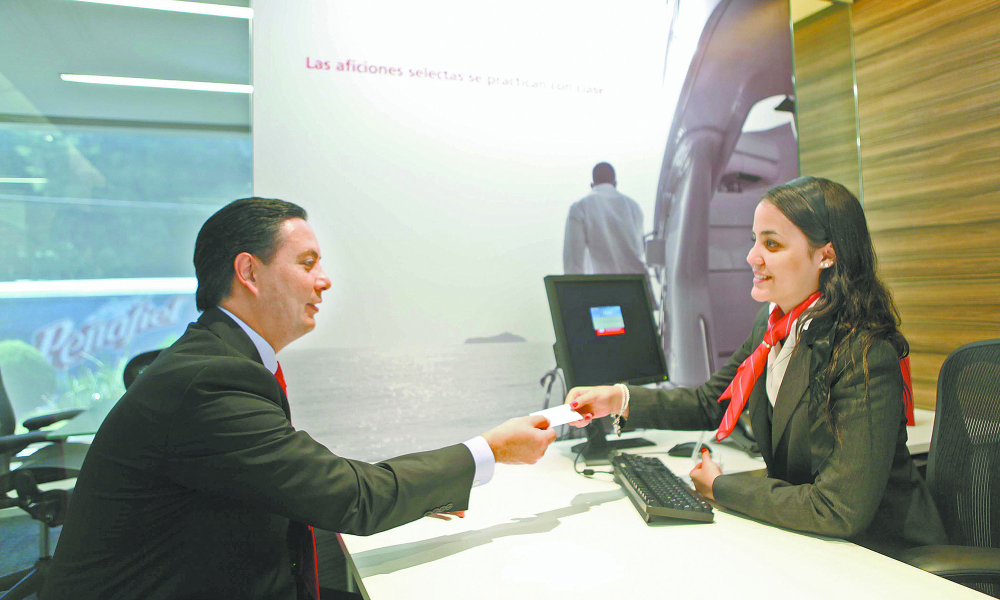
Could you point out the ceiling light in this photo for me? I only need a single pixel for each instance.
(24, 180)
(196, 8)
(201, 86)
(97, 287)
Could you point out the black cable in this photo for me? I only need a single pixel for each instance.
(550, 378)
(588, 473)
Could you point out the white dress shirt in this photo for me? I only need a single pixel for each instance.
(777, 359)
(478, 446)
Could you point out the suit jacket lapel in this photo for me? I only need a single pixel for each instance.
(760, 419)
(232, 334)
(758, 404)
(229, 332)
(793, 389)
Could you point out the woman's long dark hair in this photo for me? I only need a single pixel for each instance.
(854, 299)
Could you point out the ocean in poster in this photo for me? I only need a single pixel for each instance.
(379, 402)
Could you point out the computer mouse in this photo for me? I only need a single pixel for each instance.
(685, 449)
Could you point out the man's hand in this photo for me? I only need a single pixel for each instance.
(520, 441)
(594, 402)
(704, 474)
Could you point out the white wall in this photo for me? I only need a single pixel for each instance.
(439, 204)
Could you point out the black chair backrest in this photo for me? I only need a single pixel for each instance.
(137, 365)
(963, 465)
(7, 422)
(7, 427)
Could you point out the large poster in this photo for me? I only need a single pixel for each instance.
(438, 147)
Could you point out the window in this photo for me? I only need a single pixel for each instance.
(103, 187)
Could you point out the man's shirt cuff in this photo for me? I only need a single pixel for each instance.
(485, 462)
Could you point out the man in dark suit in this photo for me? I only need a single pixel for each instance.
(198, 486)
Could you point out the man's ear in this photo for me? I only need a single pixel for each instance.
(244, 266)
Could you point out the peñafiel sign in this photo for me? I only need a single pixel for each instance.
(112, 326)
(80, 334)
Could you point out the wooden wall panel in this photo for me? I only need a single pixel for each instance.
(929, 114)
(824, 97)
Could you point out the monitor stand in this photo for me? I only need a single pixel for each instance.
(597, 447)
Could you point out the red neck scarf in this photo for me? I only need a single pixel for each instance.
(778, 327)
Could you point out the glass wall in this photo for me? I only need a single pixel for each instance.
(825, 92)
(78, 200)
(103, 186)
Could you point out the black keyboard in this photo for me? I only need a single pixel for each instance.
(656, 492)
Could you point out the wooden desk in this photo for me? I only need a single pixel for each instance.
(543, 531)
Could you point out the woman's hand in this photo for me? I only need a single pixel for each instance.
(704, 474)
(594, 402)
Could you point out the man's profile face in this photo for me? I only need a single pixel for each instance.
(291, 284)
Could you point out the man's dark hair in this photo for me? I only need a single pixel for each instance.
(604, 173)
(246, 225)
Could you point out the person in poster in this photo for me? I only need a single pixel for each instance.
(606, 227)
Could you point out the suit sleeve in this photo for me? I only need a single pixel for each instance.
(690, 409)
(850, 483)
(232, 439)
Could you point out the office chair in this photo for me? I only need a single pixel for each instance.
(137, 364)
(52, 462)
(963, 470)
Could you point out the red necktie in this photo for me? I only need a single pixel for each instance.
(749, 371)
(904, 366)
(307, 551)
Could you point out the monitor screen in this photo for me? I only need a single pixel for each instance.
(605, 332)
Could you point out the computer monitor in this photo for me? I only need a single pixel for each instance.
(605, 333)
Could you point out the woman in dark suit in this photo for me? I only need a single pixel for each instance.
(821, 376)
